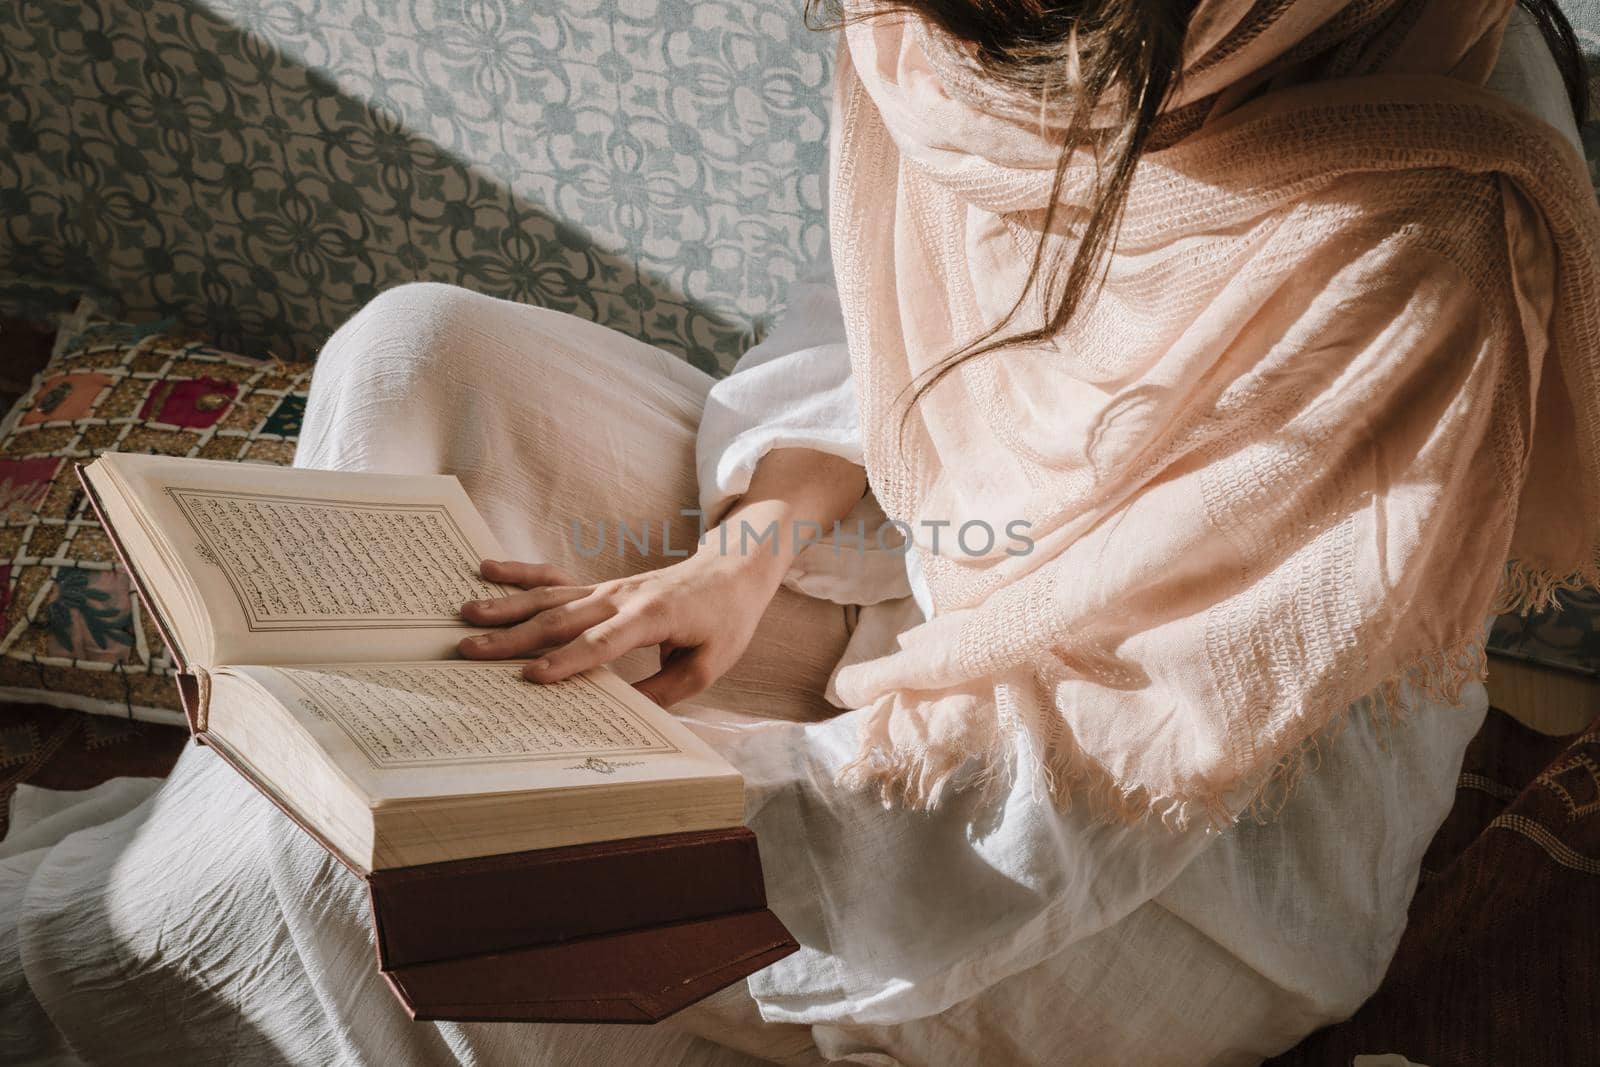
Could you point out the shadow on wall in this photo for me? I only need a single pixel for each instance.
(261, 168)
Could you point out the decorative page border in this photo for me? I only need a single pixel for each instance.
(210, 550)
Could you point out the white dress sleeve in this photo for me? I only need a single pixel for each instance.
(792, 390)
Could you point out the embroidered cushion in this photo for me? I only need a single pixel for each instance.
(71, 632)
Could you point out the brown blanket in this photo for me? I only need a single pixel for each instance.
(59, 749)
(1501, 961)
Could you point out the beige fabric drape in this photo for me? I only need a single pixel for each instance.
(1343, 366)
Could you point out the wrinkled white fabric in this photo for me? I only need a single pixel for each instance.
(793, 390)
(39, 819)
(201, 926)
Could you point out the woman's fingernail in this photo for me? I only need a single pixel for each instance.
(539, 665)
(481, 639)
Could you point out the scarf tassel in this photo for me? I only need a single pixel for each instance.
(919, 777)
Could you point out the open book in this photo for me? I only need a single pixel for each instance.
(318, 611)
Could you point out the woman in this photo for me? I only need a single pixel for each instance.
(1260, 335)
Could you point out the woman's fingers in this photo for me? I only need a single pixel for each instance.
(518, 606)
(584, 626)
(527, 575)
(600, 643)
(683, 674)
(545, 586)
(558, 624)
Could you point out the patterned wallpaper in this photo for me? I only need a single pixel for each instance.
(263, 167)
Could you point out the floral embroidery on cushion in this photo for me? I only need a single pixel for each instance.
(64, 398)
(286, 417)
(192, 403)
(70, 628)
(24, 483)
(91, 616)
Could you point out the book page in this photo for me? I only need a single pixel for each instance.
(291, 565)
(408, 716)
(300, 563)
(413, 729)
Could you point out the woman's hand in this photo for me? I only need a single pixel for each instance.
(701, 611)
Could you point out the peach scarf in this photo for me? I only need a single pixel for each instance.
(1345, 365)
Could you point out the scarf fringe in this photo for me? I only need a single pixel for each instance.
(1433, 678)
(1526, 590)
(919, 778)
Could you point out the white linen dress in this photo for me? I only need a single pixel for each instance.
(189, 922)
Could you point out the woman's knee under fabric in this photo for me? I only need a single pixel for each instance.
(547, 419)
(414, 345)
(575, 441)
(395, 384)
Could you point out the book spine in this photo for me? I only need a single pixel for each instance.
(461, 908)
